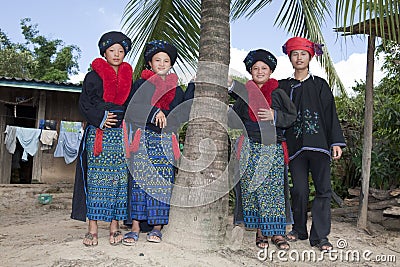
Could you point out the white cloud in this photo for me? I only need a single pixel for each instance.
(350, 70)
(77, 78)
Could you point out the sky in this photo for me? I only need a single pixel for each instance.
(81, 23)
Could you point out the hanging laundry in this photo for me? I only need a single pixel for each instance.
(29, 139)
(47, 124)
(69, 140)
(46, 138)
(11, 138)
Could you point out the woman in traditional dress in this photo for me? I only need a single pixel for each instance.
(101, 182)
(264, 111)
(153, 148)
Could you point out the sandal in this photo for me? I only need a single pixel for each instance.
(91, 237)
(130, 235)
(155, 233)
(262, 241)
(293, 236)
(280, 242)
(323, 245)
(114, 235)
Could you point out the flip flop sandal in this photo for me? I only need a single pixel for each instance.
(115, 235)
(91, 236)
(130, 235)
(295, 236)
(280, 243)
(155, 233)
(260, 241)
(323, 243)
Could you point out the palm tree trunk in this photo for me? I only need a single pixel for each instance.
(200, 197)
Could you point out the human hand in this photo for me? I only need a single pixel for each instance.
(266, 114)
(336, 152)
(161, 120)
(111, 120)
(230, 81)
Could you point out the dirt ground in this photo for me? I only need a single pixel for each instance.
(32, 234)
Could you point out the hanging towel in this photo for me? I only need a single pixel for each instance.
(69, 140)
(46, 138)
(29, 140)
(71, 126)
(11, 138)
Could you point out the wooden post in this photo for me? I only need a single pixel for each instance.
(5, 156)
(37, 159)
(367, 143)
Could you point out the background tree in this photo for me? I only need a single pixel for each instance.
(385, 170)
(39, 57)
(15, 59)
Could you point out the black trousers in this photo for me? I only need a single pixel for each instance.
(319, 165)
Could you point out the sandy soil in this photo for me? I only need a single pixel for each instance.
(32, 234)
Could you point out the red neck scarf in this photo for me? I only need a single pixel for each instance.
(116, 87)
(259, 97)
(165, 89)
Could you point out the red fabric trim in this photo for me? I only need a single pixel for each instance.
(175, 147)
(165, 89)
(260, 97)
(285, 153)
(116, 89)
(239, 146)
(126, 141)
(134, 146)
(98, 142)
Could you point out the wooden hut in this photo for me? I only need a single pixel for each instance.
(24, 103)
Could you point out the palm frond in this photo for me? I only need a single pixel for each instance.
(175, 21)
(378, 17)
(245, 8)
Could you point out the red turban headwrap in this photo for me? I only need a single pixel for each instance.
(299, 43)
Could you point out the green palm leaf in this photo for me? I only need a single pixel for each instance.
(175, 21)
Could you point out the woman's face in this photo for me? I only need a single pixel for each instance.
(160, 63)
(260, 73)
(300, 59)
(115, 55)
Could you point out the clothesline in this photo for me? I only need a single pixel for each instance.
(67, 146)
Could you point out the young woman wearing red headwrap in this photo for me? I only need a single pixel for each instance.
(315, 138)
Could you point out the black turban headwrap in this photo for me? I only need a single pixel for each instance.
(260, 55)
(157, 46)
(110, 38)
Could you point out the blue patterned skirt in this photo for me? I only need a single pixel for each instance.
(262, 183)
(107, 177)
(153, 176)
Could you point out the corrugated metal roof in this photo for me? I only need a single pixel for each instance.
(40, 85)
